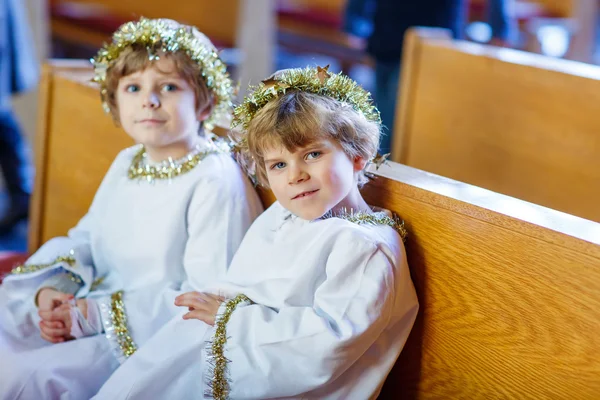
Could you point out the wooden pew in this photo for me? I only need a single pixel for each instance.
(509, 291)
(248, 27)
(516, 123)
(312, 26)
(218, 20)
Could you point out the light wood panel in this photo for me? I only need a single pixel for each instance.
(517, 123)
(509, 291)
(510, 305)
(217, 19)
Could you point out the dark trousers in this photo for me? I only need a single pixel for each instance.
(387, 77)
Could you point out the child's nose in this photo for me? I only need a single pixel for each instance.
(296, 175)
(151, 101)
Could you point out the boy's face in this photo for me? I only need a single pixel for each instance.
(157, 107)
(313, 180)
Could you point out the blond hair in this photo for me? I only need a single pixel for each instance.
(297, 119)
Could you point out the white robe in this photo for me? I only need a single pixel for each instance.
(153, 239)
(334, 304)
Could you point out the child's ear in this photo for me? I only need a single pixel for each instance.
(116, 116)
(359, 163)
(204, 112)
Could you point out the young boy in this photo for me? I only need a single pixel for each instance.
(318, 301)
(167, 218)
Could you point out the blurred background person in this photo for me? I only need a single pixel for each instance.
(383, 23)
(504, 28)
(19, 72)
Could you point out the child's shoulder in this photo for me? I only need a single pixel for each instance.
(366, 230)
(270, 218)
(358, 229)
(362, 240)
(219, 164)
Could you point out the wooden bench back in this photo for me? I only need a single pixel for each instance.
(509, 291)
(217, 19)
(516, 123)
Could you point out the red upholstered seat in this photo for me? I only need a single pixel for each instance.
(9, 259)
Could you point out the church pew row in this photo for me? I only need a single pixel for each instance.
(517, 123)
(509, 290)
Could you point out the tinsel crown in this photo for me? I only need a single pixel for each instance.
(312, 80)
(168, 36)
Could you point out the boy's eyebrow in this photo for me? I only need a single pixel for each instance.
(129, 77)
(170, 74)
(321, 144)
(270, 160)
(312, 146)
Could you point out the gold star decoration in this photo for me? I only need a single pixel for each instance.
(311, 80)
(379, 160)
(323, 74)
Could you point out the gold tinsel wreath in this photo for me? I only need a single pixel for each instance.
(312, 80)
(160, 35)
(317, 80)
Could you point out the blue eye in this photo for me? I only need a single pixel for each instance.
(170, 87)
(278, 165)
(313, 155)
(132, 88)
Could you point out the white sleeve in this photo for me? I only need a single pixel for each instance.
(217, 220)
(219, 215)
(300, 349)
(70, 256)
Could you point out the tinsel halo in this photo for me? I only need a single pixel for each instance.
(168, 36)
(315, 80)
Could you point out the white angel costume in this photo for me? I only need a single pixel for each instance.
(152, 230)
(317, 309)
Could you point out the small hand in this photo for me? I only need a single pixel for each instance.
(83, 307)
(201, 306)
(49, 298)
(55, 325)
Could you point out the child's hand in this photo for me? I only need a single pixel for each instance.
(48, 299)
(202, 306)
(55, 325)
(82, 304)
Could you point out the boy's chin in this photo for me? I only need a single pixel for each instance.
(308, 214)
(149, 139)
(155, 143)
